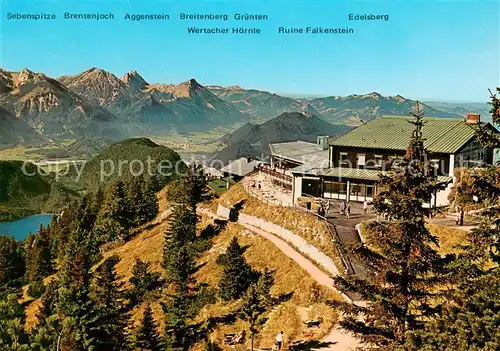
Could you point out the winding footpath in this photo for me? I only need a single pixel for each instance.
(338, 339)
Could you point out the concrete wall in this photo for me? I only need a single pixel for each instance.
(296, 188)
(290, 237)
(442, 196)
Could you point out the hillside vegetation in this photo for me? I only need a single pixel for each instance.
(305, 303)
(306, 299)
(124, 159)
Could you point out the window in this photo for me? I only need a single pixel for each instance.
(378, 161)
(343, 158)
(361, 159)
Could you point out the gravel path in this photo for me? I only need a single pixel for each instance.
(338, 339)
(295, 240)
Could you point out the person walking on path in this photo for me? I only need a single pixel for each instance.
(279, 340)
(365, 206)
(328, 208)
(348, 211)
(321, 211)
(342, 208)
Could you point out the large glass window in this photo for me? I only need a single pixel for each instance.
(362, 192)
(369, 191)
(333, 189)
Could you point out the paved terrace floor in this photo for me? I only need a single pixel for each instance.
(268, 191)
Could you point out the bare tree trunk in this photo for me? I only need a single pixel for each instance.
(251, 342)
(462, 217)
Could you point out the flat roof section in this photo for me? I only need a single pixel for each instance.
(240, 167)
(301, 152)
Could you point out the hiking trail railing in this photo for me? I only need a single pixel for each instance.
(339, 245)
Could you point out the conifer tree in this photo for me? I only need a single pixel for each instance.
(86, 212)
(149, 208)
(12, 321)
(212, 346)
(190, 189)
(38, 261)
(146, 335)
(406, 268)
(469, 319)
(264, 286)
(44, 334)
(114, 219)
(74, 305)
(487, 136)
(142, 201)
(135, 198)
(142, 280)
(178, 334)
(237, 275)
(178, 252)
(12, 264)
(252, 311)
(109, 320)
(179, 259)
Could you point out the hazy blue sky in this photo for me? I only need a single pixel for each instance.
(427, 50)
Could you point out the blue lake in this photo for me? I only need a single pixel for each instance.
(21, 228)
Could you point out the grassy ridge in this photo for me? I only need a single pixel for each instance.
(124, 158)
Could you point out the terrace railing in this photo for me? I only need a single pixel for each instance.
(339, 245)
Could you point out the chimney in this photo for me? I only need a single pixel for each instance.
(473, 118)
(322, 142)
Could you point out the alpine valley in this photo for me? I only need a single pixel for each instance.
(38, 110)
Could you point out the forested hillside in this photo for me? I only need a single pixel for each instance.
(26, 189)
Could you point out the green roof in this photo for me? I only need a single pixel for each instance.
(442, 135)
(349, 173)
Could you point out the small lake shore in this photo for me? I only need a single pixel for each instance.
(10, 214)
(22, 227)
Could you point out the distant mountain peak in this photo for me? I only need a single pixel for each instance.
(97, 73)
(185, 89)
(193, 83)
(235, 88)
(95, 69)
(26, 71)
(28, 76)
(134, 80)
(374, 95)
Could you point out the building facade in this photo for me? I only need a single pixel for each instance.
(357, 158)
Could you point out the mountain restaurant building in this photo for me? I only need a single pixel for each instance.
(357, 158)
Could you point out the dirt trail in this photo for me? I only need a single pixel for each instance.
(338, 339)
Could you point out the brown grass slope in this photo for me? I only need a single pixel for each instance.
(307, 301)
